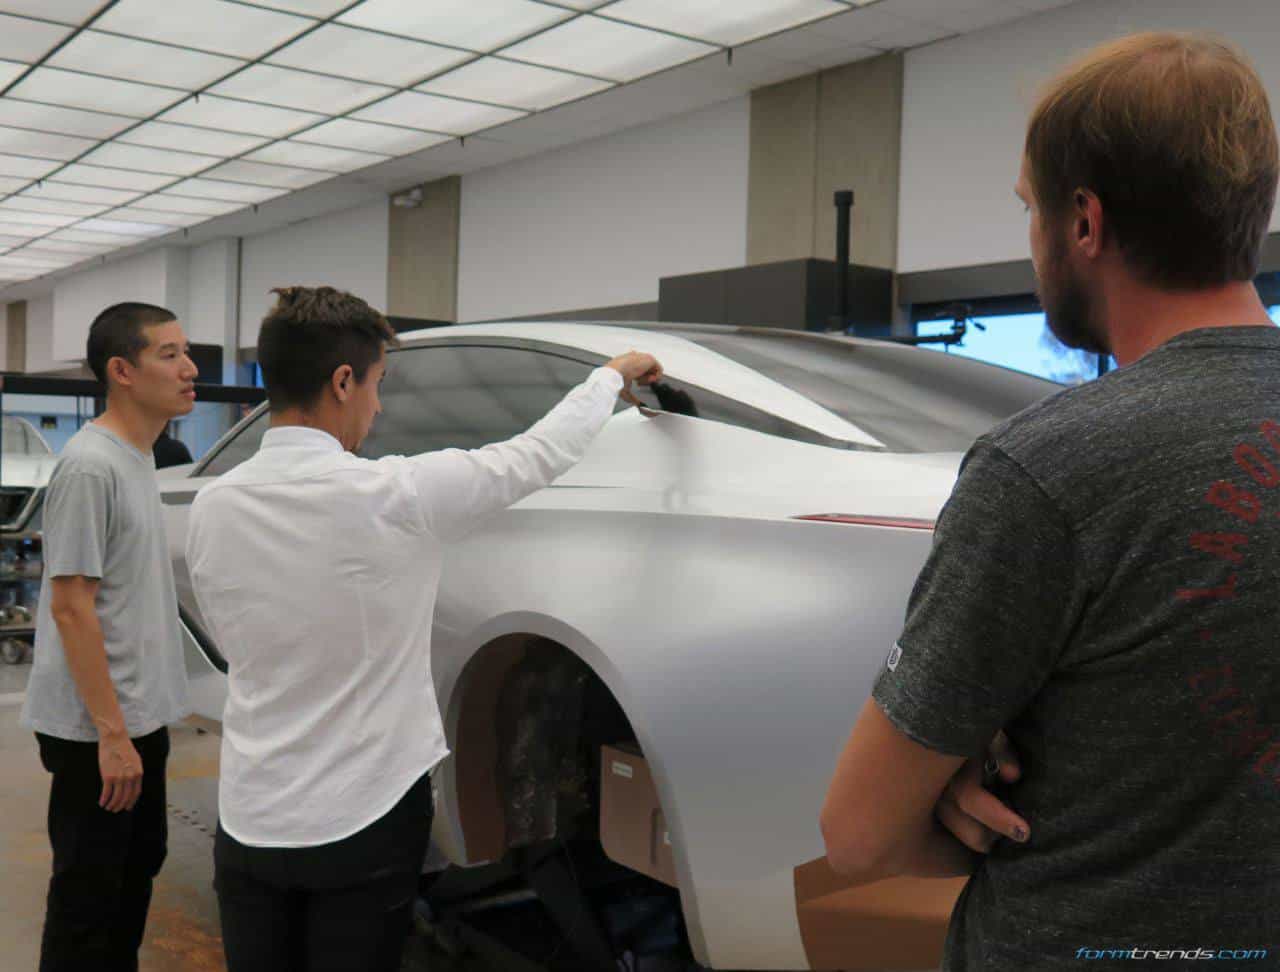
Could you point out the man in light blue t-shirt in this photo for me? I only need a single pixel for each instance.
(108, 674)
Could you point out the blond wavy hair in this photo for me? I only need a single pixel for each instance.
(1174, 134)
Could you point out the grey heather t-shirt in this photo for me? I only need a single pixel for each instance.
(1105, 586)
(102, 518)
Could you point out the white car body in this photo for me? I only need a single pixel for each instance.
(739, 640)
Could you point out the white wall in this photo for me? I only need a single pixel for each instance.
(347, 250)
(78, 299)
(598, 223)
(966, 102)
(40, 336)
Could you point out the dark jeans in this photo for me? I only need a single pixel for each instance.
(103, 863)
(342, 906)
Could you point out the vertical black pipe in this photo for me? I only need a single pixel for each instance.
(844, 216)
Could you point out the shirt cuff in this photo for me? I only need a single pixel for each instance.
(608, 376)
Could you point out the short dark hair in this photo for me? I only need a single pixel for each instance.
(1174, 134)
(117, 333)
(309, 334)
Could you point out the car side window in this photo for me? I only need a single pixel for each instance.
(465, 397)
(245, 444)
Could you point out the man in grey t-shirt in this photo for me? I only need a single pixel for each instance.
(1102, 585)
(108, 675)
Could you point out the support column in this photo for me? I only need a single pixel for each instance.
(15, 336)
(422, 257)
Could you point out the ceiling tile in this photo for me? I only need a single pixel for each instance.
(23, 217)
(84, 236)
(207, 25)
(435, 114)
(315, 156)
(170, 203)
(35, 258)
(72, 12)
(10, 239)
(956, 15)
(17, 165)
(257, 174)
(18, 141)
(580, 4)
(367, 56)
(606, 49)
(28, 40)
(504, 82)
(189, 138)
(370, 137)
(141, 159)
(224, 191)
(29, 205)
(722, 21)
(240, 116)
(13, 224)
(137, 60)
(96, 175)
(76, 90)
(458, 23)
(154, 216)
(309, 8)
(299, 89)
(9, 71)
(124, 227)
(48, 245)
(64, 121)
(13, 183)
(51, 189)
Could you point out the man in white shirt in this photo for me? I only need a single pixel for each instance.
(317, 574)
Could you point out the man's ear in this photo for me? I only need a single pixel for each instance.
(342, 381)
(119, 370)
(1088, 224)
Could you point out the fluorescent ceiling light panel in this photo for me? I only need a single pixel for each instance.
(75, 90)
(57, 207)
(125, 227)
(44, 145)
(367, 56)
(27, 40)
(97, 175)
(436, 114)
(187, 138)
(503, 82)
(82, 236)
(9, 71)
(369, 137)
(457, 23)
(207, 25)
(92, 194)
(257, 174)
(155, 216)
(225, 191)
(64, 121)
(315, 157)
(141, 159)
(723, 21)
(187, 205)
(18, 165)
(299, 89)
(71, 12)
(138, 60)
(240, 116)
(607, 49)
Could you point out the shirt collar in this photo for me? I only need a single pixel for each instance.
(300, 437)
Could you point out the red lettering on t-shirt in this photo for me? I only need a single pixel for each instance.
(1238, 502)
(1268, 764)
(1200, 683)
(1223, 592)
(1260, 469)
(1222, 545)
(1271, 432)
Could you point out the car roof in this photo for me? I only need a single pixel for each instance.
(680, 357)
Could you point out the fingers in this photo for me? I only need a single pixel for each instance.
(976, 801)
(1002, 750)
(963, 827)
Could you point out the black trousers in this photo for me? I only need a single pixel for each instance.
(340, 907)
(103, 863)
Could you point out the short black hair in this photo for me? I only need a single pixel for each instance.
(309, 334)
(117, 333)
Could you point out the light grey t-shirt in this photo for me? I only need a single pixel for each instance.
(102, 518)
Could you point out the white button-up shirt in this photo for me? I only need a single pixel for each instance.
(317, 572)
